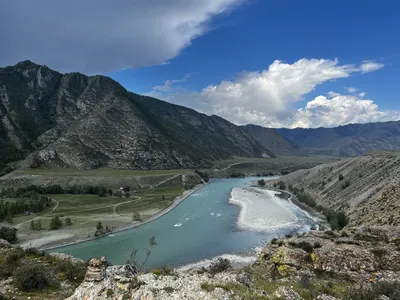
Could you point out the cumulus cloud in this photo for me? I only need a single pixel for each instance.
(340, 110)
(101, 36)
(269, 97)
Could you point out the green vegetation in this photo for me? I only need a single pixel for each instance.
(55, 223)
(203, 175)
(31, 276)
(38, 274)
(164, 271)
(341, 177)
(56, 189)
(337, 220)
(8, 234)
(261, 182)
(375, 291)
(68, 222)
(137, 217)
(221, 265)
(346, 184)
(101, 172)
(32, 204)
(36, 225)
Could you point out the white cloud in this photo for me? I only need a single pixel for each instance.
(370, 66)
(101, 36)
(168, 87)
(340, 110)
(352, 90)
(362, 94)
(269, 97)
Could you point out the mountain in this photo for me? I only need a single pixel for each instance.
(365, 187)
(272, 140)
(92, 121)
(345, 141)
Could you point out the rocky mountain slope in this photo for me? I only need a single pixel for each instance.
(365, 187)
(272, 140)
(87, 122)
(342, 141)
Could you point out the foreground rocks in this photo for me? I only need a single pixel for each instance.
(317, 265)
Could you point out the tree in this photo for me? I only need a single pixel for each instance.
(136, 216)
(55, 223)
(282, 185)
(68, 221)
(261, 182)
(342, 219)
(8, 234)
(99, 226)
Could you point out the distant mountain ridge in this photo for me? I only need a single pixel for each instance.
(345, 141)
(88, 122)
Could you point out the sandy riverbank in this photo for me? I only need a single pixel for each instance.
(52, 242)
(260, 209)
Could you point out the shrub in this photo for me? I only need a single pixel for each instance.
(261, 182)
(8, 234)
(71, 271)
(306, 246)
(68, 221)
(221, 265)
(282, 185)
(346, 184)
(375, 291)
(55, 223)
(136, 216)
(341, 177)
(31, 277)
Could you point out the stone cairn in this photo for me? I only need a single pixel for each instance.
(96, 269)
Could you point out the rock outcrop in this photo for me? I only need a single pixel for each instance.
(316, 265)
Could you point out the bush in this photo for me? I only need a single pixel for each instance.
(341, 177)
(8, 234)
(306, 246)
(375, 291)
(55, 223)
(282, 185)
(221, 265)
(346, 185)
(71, 271)
(68, 222)
(261, 182)
(31, 277)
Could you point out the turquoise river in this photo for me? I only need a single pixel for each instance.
(202, 226)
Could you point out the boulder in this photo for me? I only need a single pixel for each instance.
(286, 293)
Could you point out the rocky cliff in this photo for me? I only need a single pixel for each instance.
(87, 122)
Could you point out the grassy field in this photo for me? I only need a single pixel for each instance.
(85, 211)
(101, 172)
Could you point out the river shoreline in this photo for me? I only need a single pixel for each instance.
(176, 202)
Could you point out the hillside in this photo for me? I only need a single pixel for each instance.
(345, 141)
(272, 140)
(87, 122)
(365, 187)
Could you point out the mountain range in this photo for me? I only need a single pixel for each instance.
(74, 120)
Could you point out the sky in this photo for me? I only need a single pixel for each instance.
(274, 63)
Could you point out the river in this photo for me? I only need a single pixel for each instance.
(203, 226)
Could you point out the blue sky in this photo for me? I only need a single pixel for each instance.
(277, 63)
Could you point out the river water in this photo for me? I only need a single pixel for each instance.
(203, 226)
